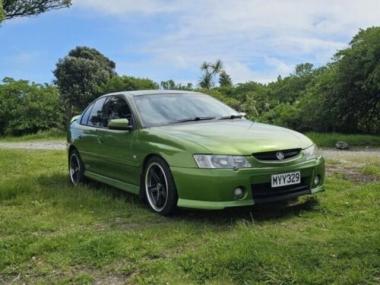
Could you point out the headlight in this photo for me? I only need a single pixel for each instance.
(311, 152)
(221, 161)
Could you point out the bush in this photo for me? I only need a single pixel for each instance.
(28, 107)
(126, 83)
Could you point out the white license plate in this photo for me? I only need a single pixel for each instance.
(284, 179)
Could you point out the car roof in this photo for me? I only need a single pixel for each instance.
(149, 92)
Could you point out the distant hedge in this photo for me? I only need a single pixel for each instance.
(28, 107)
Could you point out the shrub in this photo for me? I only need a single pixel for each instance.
(28, 107)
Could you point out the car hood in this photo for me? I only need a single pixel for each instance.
(237, 136)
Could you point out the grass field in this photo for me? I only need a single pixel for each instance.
(51, 233)
(53, 134)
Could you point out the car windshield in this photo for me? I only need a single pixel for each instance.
(165, 109)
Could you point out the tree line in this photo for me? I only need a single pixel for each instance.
(342, 96)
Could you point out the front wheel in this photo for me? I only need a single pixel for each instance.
(159, 187)
(76, 168)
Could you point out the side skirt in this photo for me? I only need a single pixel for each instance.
(113, 182)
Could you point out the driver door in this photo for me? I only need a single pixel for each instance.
(116, 146)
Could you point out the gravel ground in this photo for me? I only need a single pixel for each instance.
(352, 154)
(52, 145)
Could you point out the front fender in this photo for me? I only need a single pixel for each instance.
(176, 152)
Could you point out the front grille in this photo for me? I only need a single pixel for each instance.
(272, 155)
(263, 192)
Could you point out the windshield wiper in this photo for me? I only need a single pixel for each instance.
(231, 117)
(195, 119)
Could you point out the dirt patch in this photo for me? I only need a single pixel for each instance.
(350, 163)
(111, 280)
(350, 173)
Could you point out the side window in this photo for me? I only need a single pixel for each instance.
(96, 117)
(116, 108)
(86, 115)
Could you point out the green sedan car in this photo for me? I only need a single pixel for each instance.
(187, 149)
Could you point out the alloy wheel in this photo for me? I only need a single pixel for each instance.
(156, 186)
(75, 169)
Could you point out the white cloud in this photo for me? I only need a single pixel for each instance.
(123, 7)
(242, 73)
(256, 39)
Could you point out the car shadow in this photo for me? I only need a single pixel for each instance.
(256, 213)
(58, 181)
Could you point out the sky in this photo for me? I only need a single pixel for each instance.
(257, 40)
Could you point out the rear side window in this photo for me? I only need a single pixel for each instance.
(86, 115)
(96, 117)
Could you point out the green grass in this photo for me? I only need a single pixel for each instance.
(51, 233)
(53, 134)
(330, 139)
(371, 169)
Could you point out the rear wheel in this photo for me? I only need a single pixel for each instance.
(159, 187)
(76, 168)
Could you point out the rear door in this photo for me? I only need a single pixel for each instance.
(88, 143)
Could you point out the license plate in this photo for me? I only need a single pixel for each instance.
(284, 179)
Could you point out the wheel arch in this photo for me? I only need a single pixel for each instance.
(143, 166)
(71, 148)
(170, 181)
(145, 161)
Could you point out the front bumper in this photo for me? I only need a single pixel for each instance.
(213, 188)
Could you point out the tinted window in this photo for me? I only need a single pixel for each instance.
(86, 115)
(116, 108)
(96, 117)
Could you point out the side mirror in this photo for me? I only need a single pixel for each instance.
(119, 124)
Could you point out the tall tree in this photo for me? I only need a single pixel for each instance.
(357, 100)
(79, 76)
(18, 8)
(209, 71)
(2, 13)
(206, 80)
(94, 55)
(304, 69)
(217, 67)
(168, 84)
(224, 79)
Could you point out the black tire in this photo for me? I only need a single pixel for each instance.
(76, 168)
(158, 187)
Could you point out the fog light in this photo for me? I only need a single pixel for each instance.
(316, 180)
(238, 193)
